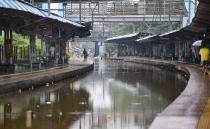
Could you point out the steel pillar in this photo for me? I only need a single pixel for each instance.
(64, 9)
(96, 49)
(62, 53)
(80, 11)
(49, 2)
(32, 49)
(56, 44)
(47, 45)
(7, 46)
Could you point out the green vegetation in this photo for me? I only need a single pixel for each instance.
(38, 43)
(111, 50)
(69, 54)
(21, 41)
(128, 28)
(1, 40)
(123, 28)
(160, 28)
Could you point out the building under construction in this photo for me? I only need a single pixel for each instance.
(108, 17)
(104, 15)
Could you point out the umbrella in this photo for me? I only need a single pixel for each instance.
(197, 43)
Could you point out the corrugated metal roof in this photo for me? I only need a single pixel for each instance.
(61, 19)
(16, 5)
(146, 38)
(129, 38)
(26, 7)
(201, 20)
(122, 37)
(168, 33)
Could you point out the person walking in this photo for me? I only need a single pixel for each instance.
(204, 53)
(85, 54)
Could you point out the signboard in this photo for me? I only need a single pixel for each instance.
(50, 31)
(56, 32)
(46, 31)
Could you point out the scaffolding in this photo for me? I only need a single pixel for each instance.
(126, 7)
(106, 14)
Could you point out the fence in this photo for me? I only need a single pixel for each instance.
(20, 54)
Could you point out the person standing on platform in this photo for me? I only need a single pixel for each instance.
(204, 52)
(85, 54)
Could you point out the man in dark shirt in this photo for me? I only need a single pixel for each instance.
(85, 54)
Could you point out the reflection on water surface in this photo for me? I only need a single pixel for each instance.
(115, 96)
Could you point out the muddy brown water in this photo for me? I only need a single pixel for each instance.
(116, 95)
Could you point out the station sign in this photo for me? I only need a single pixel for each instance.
(50, 31)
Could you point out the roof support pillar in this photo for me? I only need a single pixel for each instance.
(96, 49)
(118, 50)
(55, 51)
(32, 49)
(63, 58)
(8, 46)
(47, 47)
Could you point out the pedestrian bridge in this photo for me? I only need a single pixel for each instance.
(129, 18)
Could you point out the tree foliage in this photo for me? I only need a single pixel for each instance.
(38, 43)
(123, 28)
(1, 40)
(161, 28)
(21, 41)
(131, 27)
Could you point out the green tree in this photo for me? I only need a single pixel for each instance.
(19, 41)
(38, 43)
(131, 27)
(1, 40)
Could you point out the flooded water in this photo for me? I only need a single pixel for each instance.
(116, 95)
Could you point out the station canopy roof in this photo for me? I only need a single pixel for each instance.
(26, 19)
(169, 37)
(200, 24)
(179, 35)
(26, 7)
(149, 38)
(201, 21)
(129, 38)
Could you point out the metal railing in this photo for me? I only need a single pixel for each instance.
(20, 54)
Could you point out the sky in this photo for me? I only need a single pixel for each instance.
(54, 6)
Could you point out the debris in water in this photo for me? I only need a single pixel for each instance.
(49, 115)
(37, 106)
(48, 102)
(82, 103)
(47, 84)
